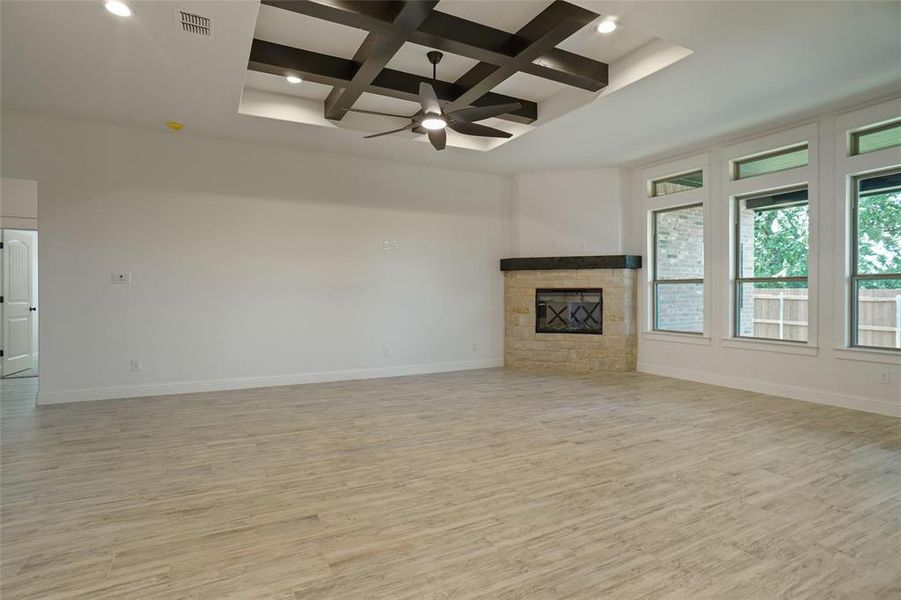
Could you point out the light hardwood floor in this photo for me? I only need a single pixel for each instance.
(484, 484)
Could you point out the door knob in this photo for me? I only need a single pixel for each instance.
(32, 309)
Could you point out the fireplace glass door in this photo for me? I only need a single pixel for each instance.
(573, 310)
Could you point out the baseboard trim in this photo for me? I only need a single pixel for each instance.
(862, 403)
(217, 385)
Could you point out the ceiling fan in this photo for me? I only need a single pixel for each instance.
(432, 120)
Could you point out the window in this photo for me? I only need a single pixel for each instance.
(771, 238)
(677, 183)
(771, 162)
(876, 261)
(678, 283)
(879, 137)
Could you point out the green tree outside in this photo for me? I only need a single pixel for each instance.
(781, 239)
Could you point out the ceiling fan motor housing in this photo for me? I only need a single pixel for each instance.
(432, 120)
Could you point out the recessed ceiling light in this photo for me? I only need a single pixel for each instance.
(293, 79)
(607, 26)
(118, 8)
(434, 123)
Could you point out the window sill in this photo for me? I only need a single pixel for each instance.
(770, 346)
(888, 357)
(676, 338)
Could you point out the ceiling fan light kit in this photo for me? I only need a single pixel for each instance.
(433, 121)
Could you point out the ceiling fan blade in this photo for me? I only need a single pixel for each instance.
(477, 113)
(428, 99)
(477, 129)
(438, 137)
(375, 112)
(375, 135)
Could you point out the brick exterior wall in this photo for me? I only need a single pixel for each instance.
(616, 350)
(680, 255)
(746, 246)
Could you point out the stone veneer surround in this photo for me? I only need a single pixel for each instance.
(615, 350)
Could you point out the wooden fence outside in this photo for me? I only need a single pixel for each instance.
(783, 315)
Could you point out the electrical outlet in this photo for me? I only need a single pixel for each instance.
(885, 377)
(120, 278)
(386, 350)
(135, 365)
(475, 346)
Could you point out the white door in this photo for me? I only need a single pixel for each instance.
(18, 310)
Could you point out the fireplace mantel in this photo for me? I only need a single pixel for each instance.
(556, 263)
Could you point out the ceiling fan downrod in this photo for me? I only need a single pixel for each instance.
(434, 57)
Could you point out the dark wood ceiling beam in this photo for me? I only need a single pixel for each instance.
(374, 53)
(276, 59)
(540, 35)
(486, 44)
(456, 35)
(570, 69)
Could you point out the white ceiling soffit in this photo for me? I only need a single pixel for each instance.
(752, 64)
(630, 54)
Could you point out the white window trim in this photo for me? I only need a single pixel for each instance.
(848, 167)
(675, 337)
(699, 162)
(732, 189)
(855, 120)
(763, 345)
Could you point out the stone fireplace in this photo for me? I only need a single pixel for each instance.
(571, 313)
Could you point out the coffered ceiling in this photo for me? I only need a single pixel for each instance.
(372, 56)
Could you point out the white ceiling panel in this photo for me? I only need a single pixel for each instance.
(375, 102)
(506, 15)
(529, 87)
(299, 31)
(411, 58)
(605, 47)
(279, 85)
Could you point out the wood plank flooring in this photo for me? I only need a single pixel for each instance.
(487, 484)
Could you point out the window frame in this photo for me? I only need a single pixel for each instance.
(655, 281)
(791, 178)
(854, 264)
(738, 280)
(854, 137)
(736, 163)
(652, 183)
(846, 168)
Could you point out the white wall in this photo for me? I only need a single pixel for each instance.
(18, 203)
(569, 213)
(252, 265)
(822, 371)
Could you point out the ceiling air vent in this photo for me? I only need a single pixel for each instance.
(193, 23)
